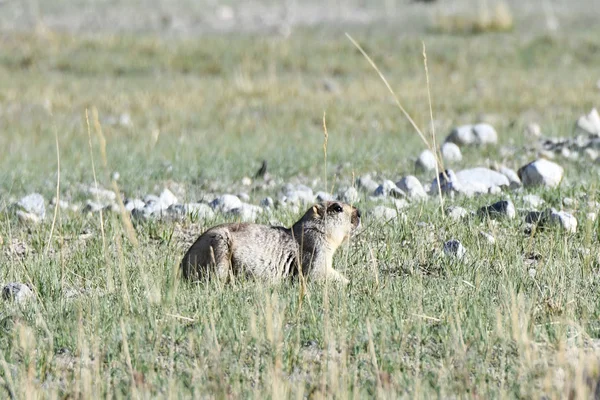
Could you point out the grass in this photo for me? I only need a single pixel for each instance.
(115, 321)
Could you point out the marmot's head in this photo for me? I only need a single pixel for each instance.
(336, 219)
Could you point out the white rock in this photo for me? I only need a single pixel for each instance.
(197, 210)
(167, 198)
(412, 187)
(92, 207)
(500, 209)
(131, 204)
(487, 237)
(451, 152)
(33, 204)
(388, 188)
(513, 177)
(226, 203)
(243, 196)
(247, 212)
(324, 196)
(482, 177)
(101, 195)
(246, 181)
(267, 202)
(426, 161)
(569, 202)
(541, 173)
(470, 182)
(592, 216)
(367, 183)
(456, 213)
(448, 183)
(565, 220)
(533, 200)
(383, 213)
(532, 272)
(462, 135)
(297, 194)
(28, 218)
(453, 248)
(590, 123)
(533, 130)
(349, 195)
(485, 134)
(18, 292)
(591, 154)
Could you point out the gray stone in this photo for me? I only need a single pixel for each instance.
(167, 198)
(451, 152)
(541, 173)
(513, 177)
(533, 200)
(454, 248)
(533, 130)
(226, 203)
(456, 213)
(485, 134)
(552, 217)
(500, 209)
(245, 197)
(247, 212)
(366, 183)
(383, 213)
(93, 207)
(151, 198)
(534, 217)
(324, 196)
(462, 135)
(33, 204)
(426, 161)
(28, 218)
(591, 154)
(592, 216)
(131, 204)
(590, 123)
(17, 292)
(297, 194)
(487, 237)
(196, 210)
(62, 204)
(569, 202)
(448, 183)
(388, 188)
(101, 195)
(412, 187)
(470, 182)
(267, 202)
(482, 178)
(563, 219)
(349, 195)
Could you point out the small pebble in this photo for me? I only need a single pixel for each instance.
(17, 292)
(454, 248)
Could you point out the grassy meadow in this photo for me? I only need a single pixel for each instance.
(110, 318)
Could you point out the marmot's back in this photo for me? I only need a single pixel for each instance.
(271, 253)
(259, 251)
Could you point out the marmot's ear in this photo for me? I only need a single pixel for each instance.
(318, 210)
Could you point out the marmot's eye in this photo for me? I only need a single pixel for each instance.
(335, 208)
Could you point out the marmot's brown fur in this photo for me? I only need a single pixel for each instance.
(272, 253)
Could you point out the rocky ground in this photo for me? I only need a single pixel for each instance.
(383, 201)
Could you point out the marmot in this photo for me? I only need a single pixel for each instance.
(272, 253)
